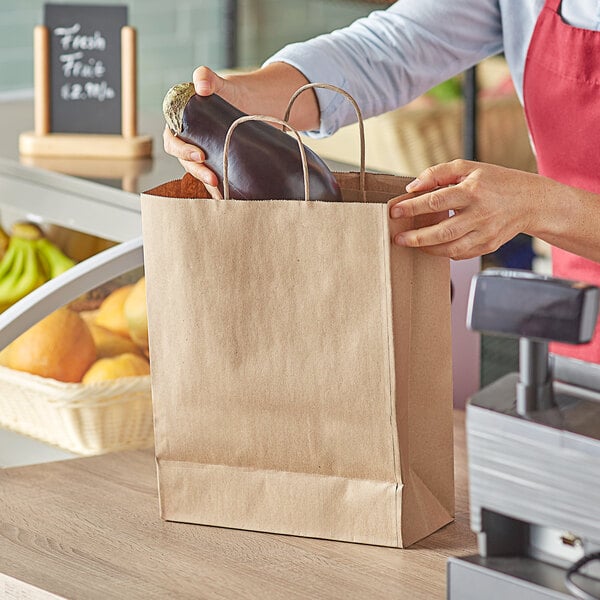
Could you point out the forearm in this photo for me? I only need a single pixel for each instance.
(268, 90)
(568, 218)
(392, 56)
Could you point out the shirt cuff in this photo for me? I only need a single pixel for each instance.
(309, 62)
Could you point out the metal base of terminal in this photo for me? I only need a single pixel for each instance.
(514, 577)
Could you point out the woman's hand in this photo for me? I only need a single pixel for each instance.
(489, 204)
(206, 82)
(264, 91)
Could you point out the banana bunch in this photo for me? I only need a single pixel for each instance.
(29, 261)
(4, 239)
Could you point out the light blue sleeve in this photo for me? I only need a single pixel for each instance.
(390, 57)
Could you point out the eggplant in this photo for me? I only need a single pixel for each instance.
(264, 162)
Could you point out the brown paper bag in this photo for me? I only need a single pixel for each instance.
(301, 365)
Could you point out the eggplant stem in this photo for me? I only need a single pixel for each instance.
(174, 103)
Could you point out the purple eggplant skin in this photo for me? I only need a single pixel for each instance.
(264, 162)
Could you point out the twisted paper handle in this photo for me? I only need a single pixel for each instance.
(361, 128)
(283, 124)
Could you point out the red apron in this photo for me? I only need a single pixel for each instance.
(561, 91)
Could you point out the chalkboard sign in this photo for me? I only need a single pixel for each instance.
(85, 67)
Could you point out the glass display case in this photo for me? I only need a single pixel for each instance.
(99, 227)
(90, 210)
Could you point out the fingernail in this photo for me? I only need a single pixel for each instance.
(415, 183)
(196, 157)
(203, 87)
(397, 211)
(400, 240)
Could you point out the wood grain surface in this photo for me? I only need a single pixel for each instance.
(89, 529)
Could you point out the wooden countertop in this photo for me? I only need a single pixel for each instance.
(89, 529)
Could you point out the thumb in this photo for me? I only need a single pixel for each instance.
(441, 175)
(207, 82)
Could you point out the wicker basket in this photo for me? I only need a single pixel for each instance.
(84, 419)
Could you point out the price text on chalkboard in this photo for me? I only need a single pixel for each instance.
(85, 67)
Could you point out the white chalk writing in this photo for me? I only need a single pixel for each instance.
(75, 64)
(90, 89)
(71, 40)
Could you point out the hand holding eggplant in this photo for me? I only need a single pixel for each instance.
(206, 82)
(265, 162)
(265, 91)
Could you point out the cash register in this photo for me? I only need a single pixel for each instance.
(533, 441)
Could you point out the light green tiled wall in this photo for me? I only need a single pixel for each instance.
(175, 36)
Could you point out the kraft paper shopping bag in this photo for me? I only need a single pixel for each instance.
(301, 364)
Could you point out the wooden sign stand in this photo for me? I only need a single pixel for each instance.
(42, 142)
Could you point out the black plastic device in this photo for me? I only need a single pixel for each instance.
(518, 303)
